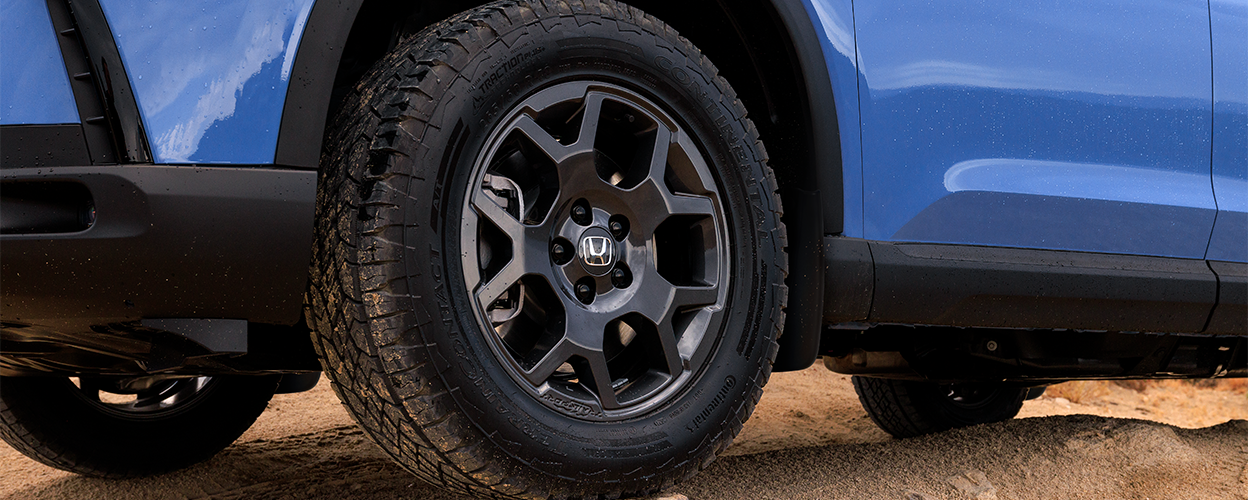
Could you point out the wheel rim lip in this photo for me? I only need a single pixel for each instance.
(970, 396)
(178, 396)
(709, 337)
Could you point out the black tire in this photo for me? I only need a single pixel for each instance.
(909, 408)
(171, 425)
(401, 327)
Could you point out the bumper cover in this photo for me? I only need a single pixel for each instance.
(166, 242)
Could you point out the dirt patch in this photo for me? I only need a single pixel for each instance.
(808, 439)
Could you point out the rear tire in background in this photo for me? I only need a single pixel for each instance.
(116, 427)
(549, 258)
(906, 408)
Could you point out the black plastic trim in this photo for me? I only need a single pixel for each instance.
(803, 324)
(1230, 317)
(312, 81)
(850, 280)
(804, 123)
(83, 82)
(166, 242)
(135, 348)
(113, 84)
(826, 150)
(298, 382)
(1030, 357)
(972, 286)
(25, 146)
(214, 334)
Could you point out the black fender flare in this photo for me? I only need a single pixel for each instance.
(312, 83)
(818, 212)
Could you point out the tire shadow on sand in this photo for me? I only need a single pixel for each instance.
(333, 463)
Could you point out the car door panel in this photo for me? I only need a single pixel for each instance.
(1229, 24)
(1069, 126)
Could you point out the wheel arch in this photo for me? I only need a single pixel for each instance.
(791, 99)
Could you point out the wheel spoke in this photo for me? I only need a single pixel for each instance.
(600, 380)
(529, 249)
(653, 190)
(584, 333)
(490, 209)
(692, 296)
(549, 364)
(663, 300)
(583, 328)
(658, 299)
(506, 277)
(591, 113)
(542, 139)
(143, 400)
(671, 350)
(684, 204)
(658, 156)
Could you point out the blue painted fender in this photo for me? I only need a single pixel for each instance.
(34, 87)
(210, 78)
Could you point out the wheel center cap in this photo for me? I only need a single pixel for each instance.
(597, 251)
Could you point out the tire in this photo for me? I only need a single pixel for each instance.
(459, 311)
(907, 408)
(174, 423)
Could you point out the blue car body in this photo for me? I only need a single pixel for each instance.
(1087, 126)
(222, 104)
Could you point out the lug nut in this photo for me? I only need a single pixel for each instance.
(580, 213)
(584, 292)
(621, 278)
(560, 253)
(618, 226)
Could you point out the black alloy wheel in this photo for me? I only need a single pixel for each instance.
(151, 397)
(600, 250)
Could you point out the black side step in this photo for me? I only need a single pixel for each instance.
(989, 287)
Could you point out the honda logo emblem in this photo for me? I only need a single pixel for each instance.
(597, 251)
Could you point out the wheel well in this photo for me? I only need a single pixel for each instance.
(755, 51)
(743, 38)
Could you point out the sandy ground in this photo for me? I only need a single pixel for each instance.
(808, 439)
